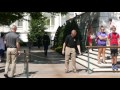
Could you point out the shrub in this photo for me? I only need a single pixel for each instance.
(58, 49)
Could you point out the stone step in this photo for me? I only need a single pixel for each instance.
(108, 52)
(85, 64)
(94, 62)
(104, 70)
(96, 52)
(94, 68)
(95, 57)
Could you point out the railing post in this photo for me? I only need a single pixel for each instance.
(27, 67)
(24, 61)
(29, 53)
(88, 62)
(26, 71)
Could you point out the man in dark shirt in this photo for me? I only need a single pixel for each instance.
(12, 44)
(69, 50)
(46, 43)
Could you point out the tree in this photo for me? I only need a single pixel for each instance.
(8, 18)
(37, 27)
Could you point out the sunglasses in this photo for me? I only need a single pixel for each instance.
(113, 28)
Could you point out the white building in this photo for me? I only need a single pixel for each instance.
(22, 28)
(54, 21)
(104, 20)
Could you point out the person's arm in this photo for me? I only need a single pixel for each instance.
(18, 46)
(79, 50)
(119, 43)
(105, 38)
(78, 47)
(5, 39)
(108, 40)
(102, 38)
(63, 49)
(64, 44)
(99, 36)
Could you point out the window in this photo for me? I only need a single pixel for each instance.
(48, 22)
(52, 21)
(20, 23)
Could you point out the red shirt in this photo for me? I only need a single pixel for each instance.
(113, 38)
(89, 39)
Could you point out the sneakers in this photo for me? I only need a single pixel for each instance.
(114, 67)
(75, 71)
(6, 76)
(104, 62)
(66, 71)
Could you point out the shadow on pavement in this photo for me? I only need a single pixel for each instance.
(24, 75)
(2, 70)
(39, 58)
(2, 66)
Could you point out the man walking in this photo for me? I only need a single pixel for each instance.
(69, 49)
(13, 46)
(46, 43)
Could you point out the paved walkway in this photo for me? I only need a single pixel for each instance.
(51, 66)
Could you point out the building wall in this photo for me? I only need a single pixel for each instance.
(22, 30)
(59, 20)
(104, 20)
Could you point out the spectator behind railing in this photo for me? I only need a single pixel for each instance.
(102, 38)
(114, 40)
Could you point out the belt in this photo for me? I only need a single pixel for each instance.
(70, 47)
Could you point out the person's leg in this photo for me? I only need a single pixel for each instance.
(13, 59)
(99, 54)
(67, 57)
(113, 66)
(38, 44)
(115, 61)
(103, 55)
(113, 58)
(73, 58)
(90, 44)
(7, 61)
(46, 49)
(0, 55)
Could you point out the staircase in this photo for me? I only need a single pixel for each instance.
(93, 61)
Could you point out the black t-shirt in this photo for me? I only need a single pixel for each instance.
(46, 40)
(71, 42)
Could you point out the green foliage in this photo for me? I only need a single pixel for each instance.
(59, 49)
(22, 43)
(37, 27)
(8, 18)
(70, 25)
(63, 31)
(58, 40)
